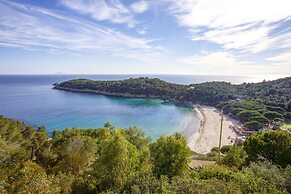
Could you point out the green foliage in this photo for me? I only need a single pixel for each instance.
(235, 157)
(272, 115)
(110, 160)
(133, 87)
(254, 125)
(287, 125)
(14, 142)
(117, 161)
(187, 184)
(270, 174)
(225, 149)
(217, 172)
(287, 177)
(76, 154)
(215, 149)
(210, 93)
(274, 146)
(31, 178)
(251, 115)
(171, 155)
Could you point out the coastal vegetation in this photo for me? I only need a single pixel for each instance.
(119, 160)
(255, 105)
(287, 125)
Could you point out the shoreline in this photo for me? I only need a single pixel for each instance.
(207, 134)
(200, 138)
(97, 92)
(124, 95)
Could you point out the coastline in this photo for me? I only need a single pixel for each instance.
(201, 136)
(207, 134)
(123, 95)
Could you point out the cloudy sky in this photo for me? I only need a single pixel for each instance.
(210, 37)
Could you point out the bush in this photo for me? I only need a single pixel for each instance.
(171, 155)
(225, 149)
(254, 125)
(235, 157)
(217, 172)
(269, 173)
(287, 173)
(274, 146)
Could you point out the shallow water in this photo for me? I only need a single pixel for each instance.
(32, 100)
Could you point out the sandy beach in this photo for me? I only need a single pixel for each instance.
(207, 135)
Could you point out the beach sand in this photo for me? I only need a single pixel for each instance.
(207, 135)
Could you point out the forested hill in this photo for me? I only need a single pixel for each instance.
(211, 93)
(278, 91)
(254, 104)
(261, 104)
(206, 93)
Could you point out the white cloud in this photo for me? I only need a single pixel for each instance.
(112, 10)
(33, 27)
(280, 63)
(235, 24)
(281, 58)
(142, 31)
(140, 6)
(215, 59)
(108, 10)
(241, 37)
(229, 13)
(225, 63)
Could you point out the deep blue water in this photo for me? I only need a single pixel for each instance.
(31, 99)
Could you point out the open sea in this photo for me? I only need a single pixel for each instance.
(31, 99)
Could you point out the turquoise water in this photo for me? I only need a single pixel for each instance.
(36, 103)
(30, 98)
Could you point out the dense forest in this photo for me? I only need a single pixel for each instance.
(256, 105)
(115, 160)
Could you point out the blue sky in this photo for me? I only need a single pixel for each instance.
(210, 37)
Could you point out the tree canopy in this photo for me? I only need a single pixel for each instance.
(274, 146)
(124, 160)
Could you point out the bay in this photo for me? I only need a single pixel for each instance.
(31, 99)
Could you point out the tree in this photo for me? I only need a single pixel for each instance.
(289, 106)
(272, 115)
(254, 125)
(77, 154)
(117, 161)
(171, 155)
(40, 147)
(287, 176)
(235, 157)
(31, 178)
(274, 146)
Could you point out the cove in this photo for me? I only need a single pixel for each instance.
(38, 104)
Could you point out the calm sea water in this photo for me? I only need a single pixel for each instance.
(31, 99)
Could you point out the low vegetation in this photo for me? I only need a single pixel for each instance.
(114, 160)
(287, 125)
